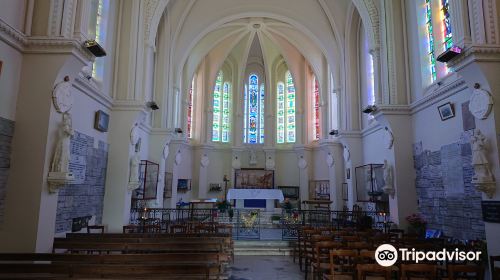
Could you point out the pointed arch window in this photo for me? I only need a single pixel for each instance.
(286, 111)
(221, 123)
(448, 35)
(316, 110)
(190, 110)
(254, 111)
(98, 30)
(430, 39)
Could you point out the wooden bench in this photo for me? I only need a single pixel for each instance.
(138, 247)
(40, 265)
(188, 270)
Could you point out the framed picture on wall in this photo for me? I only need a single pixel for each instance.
(446, 111)
(1, 64)
(101, 121)
(183, 185)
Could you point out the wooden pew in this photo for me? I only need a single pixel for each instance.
(52, 265)
(138, 247)
(175, 270)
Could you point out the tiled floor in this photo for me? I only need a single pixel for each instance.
(264, 268)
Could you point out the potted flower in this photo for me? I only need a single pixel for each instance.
(417, 224)
(223, 205)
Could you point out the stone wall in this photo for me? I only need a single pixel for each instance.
(6, 133)
(84, 197)
(446, 197)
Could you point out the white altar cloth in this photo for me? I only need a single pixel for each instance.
(255, 194)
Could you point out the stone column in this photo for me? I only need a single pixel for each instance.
(303, 162)
(399, 155)
(30, 210)
(333, 158)
(353, 156)
(117, 196)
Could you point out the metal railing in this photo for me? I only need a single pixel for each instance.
(249, 223)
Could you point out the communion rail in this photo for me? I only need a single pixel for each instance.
(253, 223)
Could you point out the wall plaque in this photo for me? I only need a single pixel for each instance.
(491, 211)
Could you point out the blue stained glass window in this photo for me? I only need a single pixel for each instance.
(254, 111)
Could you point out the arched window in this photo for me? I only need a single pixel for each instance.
(430, 39)
(98, 29)
(286, 111)
(221, 110)
(316, 110)
(439, 36)
(226, 107)
(217, 108)
(190, 110)
(448, 35)
(254, 111)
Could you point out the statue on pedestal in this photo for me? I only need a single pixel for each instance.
(135, 161)
(59, 168)
(483, 178)
(388, 179)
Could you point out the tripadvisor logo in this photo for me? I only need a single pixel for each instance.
(387, 255)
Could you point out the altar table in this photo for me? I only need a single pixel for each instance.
(248, 195)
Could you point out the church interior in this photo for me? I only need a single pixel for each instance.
(262, 139)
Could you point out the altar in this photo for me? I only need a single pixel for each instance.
(255, 198)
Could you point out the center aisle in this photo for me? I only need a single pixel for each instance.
(264, 267)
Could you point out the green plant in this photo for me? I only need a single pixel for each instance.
(275, 217)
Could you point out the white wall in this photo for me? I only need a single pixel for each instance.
(13, 13)
(10, 77)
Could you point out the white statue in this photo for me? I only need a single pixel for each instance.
(270, 164)
(329, 160)
(135, 161)
(253, 157)
(388, 179)
(204, 161)
(236, 164)
(60, 161)
(59, 174)
(482, 179)
(302, 163)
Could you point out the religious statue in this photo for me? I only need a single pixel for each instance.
(135, 161)
(270, 164)
(388, 179)
(204, 161)
(60, 161)
(483, 178)
(253, 157)
(60, 174)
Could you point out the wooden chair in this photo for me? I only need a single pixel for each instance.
(310, 247)
(321, 255)
(366, 257)
(95, 229)
(342, 264)
(373, 270)
(464, 271)
(495, 270)
(418, 271)
(178, 229)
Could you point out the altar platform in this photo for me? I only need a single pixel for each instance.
(255, 198)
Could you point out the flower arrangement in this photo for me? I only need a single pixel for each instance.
(223, 205)
(249, 220)
(416, 220)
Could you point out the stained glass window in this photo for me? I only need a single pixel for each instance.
(280, 112)
(430, 39)
(101, 8)
(316, 110)
(286, 111)
(217, 107)
(190, 110)
(448, 40)
(254, 111)
(226, 112)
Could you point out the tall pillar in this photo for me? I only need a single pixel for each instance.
(353, 157)
(303, 162)
(117, 196)
(30, 211)
(396, 120)
(333, 158)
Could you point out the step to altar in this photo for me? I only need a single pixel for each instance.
(262, 248)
